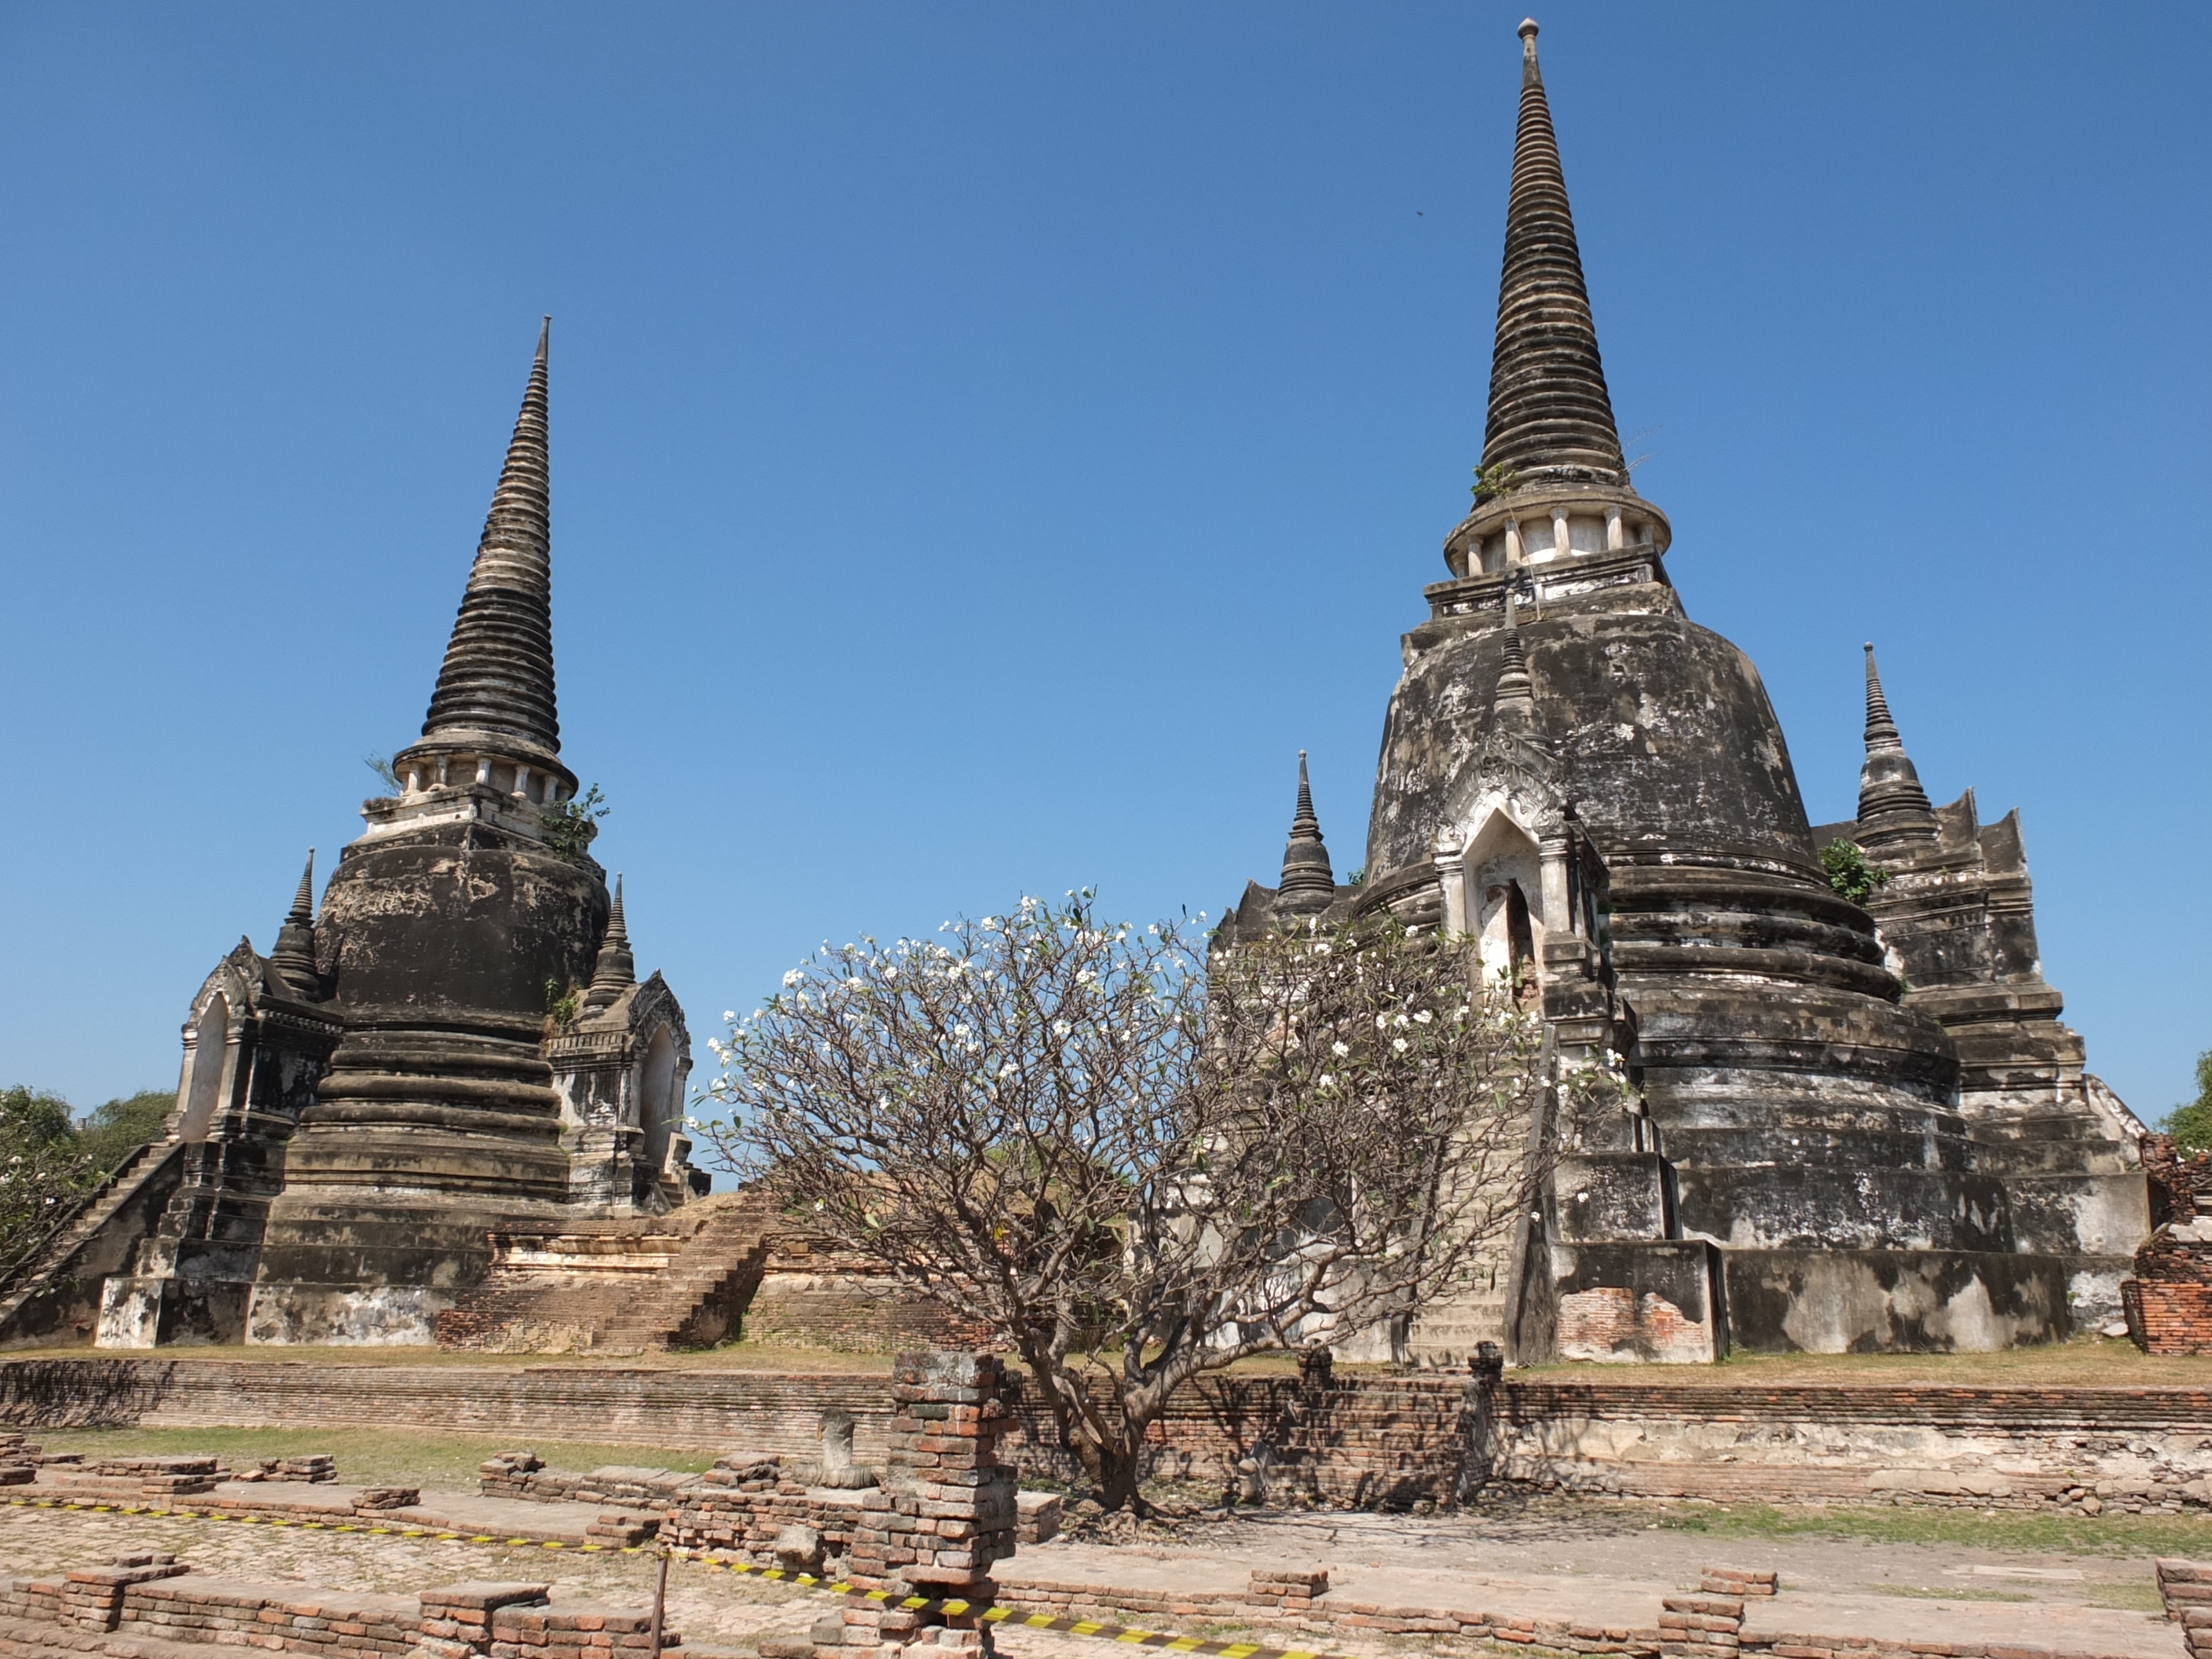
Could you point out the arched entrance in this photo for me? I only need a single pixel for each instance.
(210, 1059)
(656, 1103)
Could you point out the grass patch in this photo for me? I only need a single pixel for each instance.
(2038, 1535)
(1931, 1593)
(376, 1457)
(2134, 1598)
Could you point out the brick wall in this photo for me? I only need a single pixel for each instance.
(1363, 1439)
(812, 1297)
(2168, 1317)
(153, 1596)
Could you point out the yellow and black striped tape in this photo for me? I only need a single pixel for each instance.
(953, 1606)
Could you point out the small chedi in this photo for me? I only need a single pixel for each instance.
(1862, 1125)
(453, 1062)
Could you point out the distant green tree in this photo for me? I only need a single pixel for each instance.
(114, 1131)
(2190, 1122)
(43, 1171)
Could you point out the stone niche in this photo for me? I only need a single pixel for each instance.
(621, 1071)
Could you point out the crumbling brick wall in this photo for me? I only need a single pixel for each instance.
(945, 1514)
(810, 1296)
(156, 1596)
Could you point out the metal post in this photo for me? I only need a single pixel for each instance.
(659, 1602)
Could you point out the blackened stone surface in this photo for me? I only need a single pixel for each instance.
(439, 1120)
(1893, 1301)
(1664, 727)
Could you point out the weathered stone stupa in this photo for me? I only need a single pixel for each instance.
(1577, 772)
(454, 1050)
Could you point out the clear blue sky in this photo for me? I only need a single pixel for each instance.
(991, 440)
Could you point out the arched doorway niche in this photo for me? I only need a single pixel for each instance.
(656, 1098)
(1502, 869)
(206, 1069)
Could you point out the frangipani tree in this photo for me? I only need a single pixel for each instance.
(1132, 1165)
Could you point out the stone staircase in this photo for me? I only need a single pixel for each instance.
(681, 1281)
(92, 1240)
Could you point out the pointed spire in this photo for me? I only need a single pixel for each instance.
(1308, 877)
(292, 960)
(1894, 809)
(1514, 707)
(1550, 417)
(616, 971)
(496, 684)
(303, 900)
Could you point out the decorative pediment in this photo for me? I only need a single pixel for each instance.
(1513, 772)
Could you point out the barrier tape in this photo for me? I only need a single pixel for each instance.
(1128, 1636)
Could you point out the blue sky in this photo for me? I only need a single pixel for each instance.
(991, 440)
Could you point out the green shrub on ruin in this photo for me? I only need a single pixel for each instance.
(1849, 872)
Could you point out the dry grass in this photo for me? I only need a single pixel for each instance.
(376, 1457)
(2089, 1362)
(737, 1357)
(2187, 1536)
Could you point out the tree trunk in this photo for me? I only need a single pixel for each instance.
(1113, 1462)
(1118, 1490)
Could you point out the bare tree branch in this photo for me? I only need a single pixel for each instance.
(1135, 1165)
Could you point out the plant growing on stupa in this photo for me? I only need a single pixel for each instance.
(1133, 1167)
(570, 826)
(1493, 480)
(1850, 873)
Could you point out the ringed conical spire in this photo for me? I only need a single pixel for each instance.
(1515, 705)
(292, 958)
(1551, 416)
(1307, 873)
(1894, 809)
(497, 682)
(615, 970)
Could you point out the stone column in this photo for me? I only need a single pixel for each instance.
(1451, 875)
(1552, 854)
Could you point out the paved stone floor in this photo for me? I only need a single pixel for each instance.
(1610, 1565)
(1606, 1566)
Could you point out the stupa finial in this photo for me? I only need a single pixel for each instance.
(292, 958)
(1551, 416)
(615, 970)
(1307, 875)
(1894, 809)
(496, 684)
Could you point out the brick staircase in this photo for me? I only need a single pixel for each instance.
(681, 1281)
(70, 1245)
